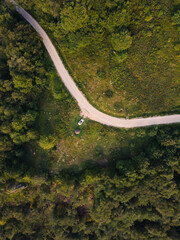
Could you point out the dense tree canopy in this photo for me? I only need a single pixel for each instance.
(73, 18)
(133, 198)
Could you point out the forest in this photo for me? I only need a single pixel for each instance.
(127, 198)
(106, 183)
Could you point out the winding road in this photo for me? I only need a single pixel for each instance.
(87, 110)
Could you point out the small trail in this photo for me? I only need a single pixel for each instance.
(87, 110)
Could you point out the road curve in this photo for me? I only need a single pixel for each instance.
(87, 110)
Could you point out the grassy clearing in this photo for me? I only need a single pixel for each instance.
(146, 83)
(96, 142)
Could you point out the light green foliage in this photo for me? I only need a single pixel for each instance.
(177, 47)
(23, 83)
(148, 18)
(101, 73)
(120, 57)
(29, 116)
(5, 144)
(18, 138)
(32, 135)
(118, 19)
(47, 142)
(73, 18)
(18, 124)
(5, 128)
(176, 18)
(121, 41)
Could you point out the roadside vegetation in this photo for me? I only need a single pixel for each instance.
(128, 48)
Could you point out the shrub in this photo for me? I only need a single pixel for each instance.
(148, 18)
(47, 142)
(118, 106)
(121, 41)
(101, 73)
(121, 57)
(177, 47)
(109, 93)
(176, 18)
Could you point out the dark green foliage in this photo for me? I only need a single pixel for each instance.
(176, 18)
(25, 76)
(109, 93)
(135, 197)
(101, 73)
(118, 106)
(22, 82)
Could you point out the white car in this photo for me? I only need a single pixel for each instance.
(81, 121)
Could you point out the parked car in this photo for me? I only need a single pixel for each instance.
(21, 186)
(18, 187)
(81, 121)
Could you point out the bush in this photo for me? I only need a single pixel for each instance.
(177, 47)
(118, 106)
(47, 142)
(121, 41)
(101, 73)
(176, 18)
(121, 57)
(148, 18)
(109, 93)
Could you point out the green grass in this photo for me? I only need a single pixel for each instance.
(95, 141)
(146, 84)
(148, 80)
